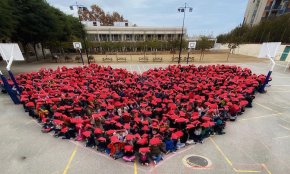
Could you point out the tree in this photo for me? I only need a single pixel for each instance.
(34, 22)
(276, 29)
(203, 44)
(8, 19)
(31, 22)
(98, 14)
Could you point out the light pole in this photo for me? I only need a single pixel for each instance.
(182, 10)
(83, 34)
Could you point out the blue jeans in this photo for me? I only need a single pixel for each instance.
(157, 158)
(118, 155)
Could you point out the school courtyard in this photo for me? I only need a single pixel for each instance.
(258, 142)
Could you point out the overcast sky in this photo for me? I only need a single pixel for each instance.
(208, 16)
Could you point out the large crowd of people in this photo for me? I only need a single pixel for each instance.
(138, 116)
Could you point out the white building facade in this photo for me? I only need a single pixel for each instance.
(124, 32)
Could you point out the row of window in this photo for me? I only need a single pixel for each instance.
(132, 37)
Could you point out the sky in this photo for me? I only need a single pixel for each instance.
(208, 16)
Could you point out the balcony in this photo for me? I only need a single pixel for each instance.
(275, 8)
(267, 8)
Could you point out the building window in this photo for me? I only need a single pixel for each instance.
(116, 37)
(149, 37)
(104, 37)
(128, 37)
(95, 24)
(91, 37)
(139, 37)
(96, 37)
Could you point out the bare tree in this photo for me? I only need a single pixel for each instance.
(98, 14)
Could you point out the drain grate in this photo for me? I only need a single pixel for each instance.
(196, 161)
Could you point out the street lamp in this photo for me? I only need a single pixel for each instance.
(182, 10)
(83, 34)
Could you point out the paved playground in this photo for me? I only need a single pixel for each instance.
(258, 142)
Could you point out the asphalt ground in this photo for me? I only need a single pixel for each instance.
(258, 142)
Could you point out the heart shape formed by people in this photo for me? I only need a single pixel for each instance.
(125, 114)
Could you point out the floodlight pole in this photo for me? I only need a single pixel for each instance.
(83, 35)
(188, 55)
(182, 10)
(80, 51)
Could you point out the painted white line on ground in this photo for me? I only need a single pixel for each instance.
(280, 105)
(284, 120)
(279, 77)
(281, 65)
(280, 85)
(284, 127)
(265, 116)
(279, 88)
(265, 107)
(28, 122)
(266, 168)
(279, 91)
(288, 136)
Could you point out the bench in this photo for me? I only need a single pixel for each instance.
(121, 59)
(174, 59)
(107, 59)
(78, 59)
(157, 59)
(143, 59)
(190, 59)
(55, 57)
(67, 59)
(92, 59)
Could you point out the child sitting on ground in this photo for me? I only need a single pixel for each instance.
(144, 158)
(129, 155)
(101, 144)
(169, 145)
(116, 148)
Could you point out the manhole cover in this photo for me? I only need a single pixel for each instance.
(196, 161)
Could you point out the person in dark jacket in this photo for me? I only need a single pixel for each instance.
(155, 152)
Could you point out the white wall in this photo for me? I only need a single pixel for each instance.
(254, 50)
